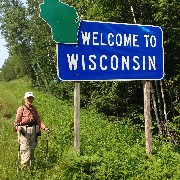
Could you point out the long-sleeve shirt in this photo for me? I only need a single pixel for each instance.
(25, 116)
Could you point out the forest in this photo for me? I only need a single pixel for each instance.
(32, 53)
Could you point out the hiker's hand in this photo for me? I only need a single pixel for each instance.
(47, 130)
(19, 128)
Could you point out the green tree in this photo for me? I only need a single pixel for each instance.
(43, 48)
(14, 23)
(107, 96)
(29, 40)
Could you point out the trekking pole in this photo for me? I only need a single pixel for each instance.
(19, 156)
(47, 140)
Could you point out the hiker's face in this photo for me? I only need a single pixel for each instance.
(29, 100)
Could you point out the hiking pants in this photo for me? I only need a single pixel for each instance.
(27, 140)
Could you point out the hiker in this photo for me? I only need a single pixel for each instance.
(27, 124)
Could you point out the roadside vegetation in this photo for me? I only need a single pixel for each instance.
(112, 113)
(109, 150)
(32, 52)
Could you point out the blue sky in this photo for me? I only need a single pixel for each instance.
(3, 50)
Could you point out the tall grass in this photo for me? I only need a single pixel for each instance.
(108, 150)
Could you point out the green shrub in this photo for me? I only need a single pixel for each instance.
(110, 150)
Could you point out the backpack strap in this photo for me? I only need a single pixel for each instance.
(30, 111)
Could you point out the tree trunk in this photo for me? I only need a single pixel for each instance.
(159, 102)
(165, 112)
(155, 110)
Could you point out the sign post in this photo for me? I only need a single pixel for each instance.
(147, 116)
(147, 110)
(77, 116)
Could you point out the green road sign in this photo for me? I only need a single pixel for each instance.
(62, 19)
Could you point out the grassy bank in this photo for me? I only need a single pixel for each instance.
(108, 150)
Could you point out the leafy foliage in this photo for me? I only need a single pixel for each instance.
(109, 150)
(32, 52)
(14, 23)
